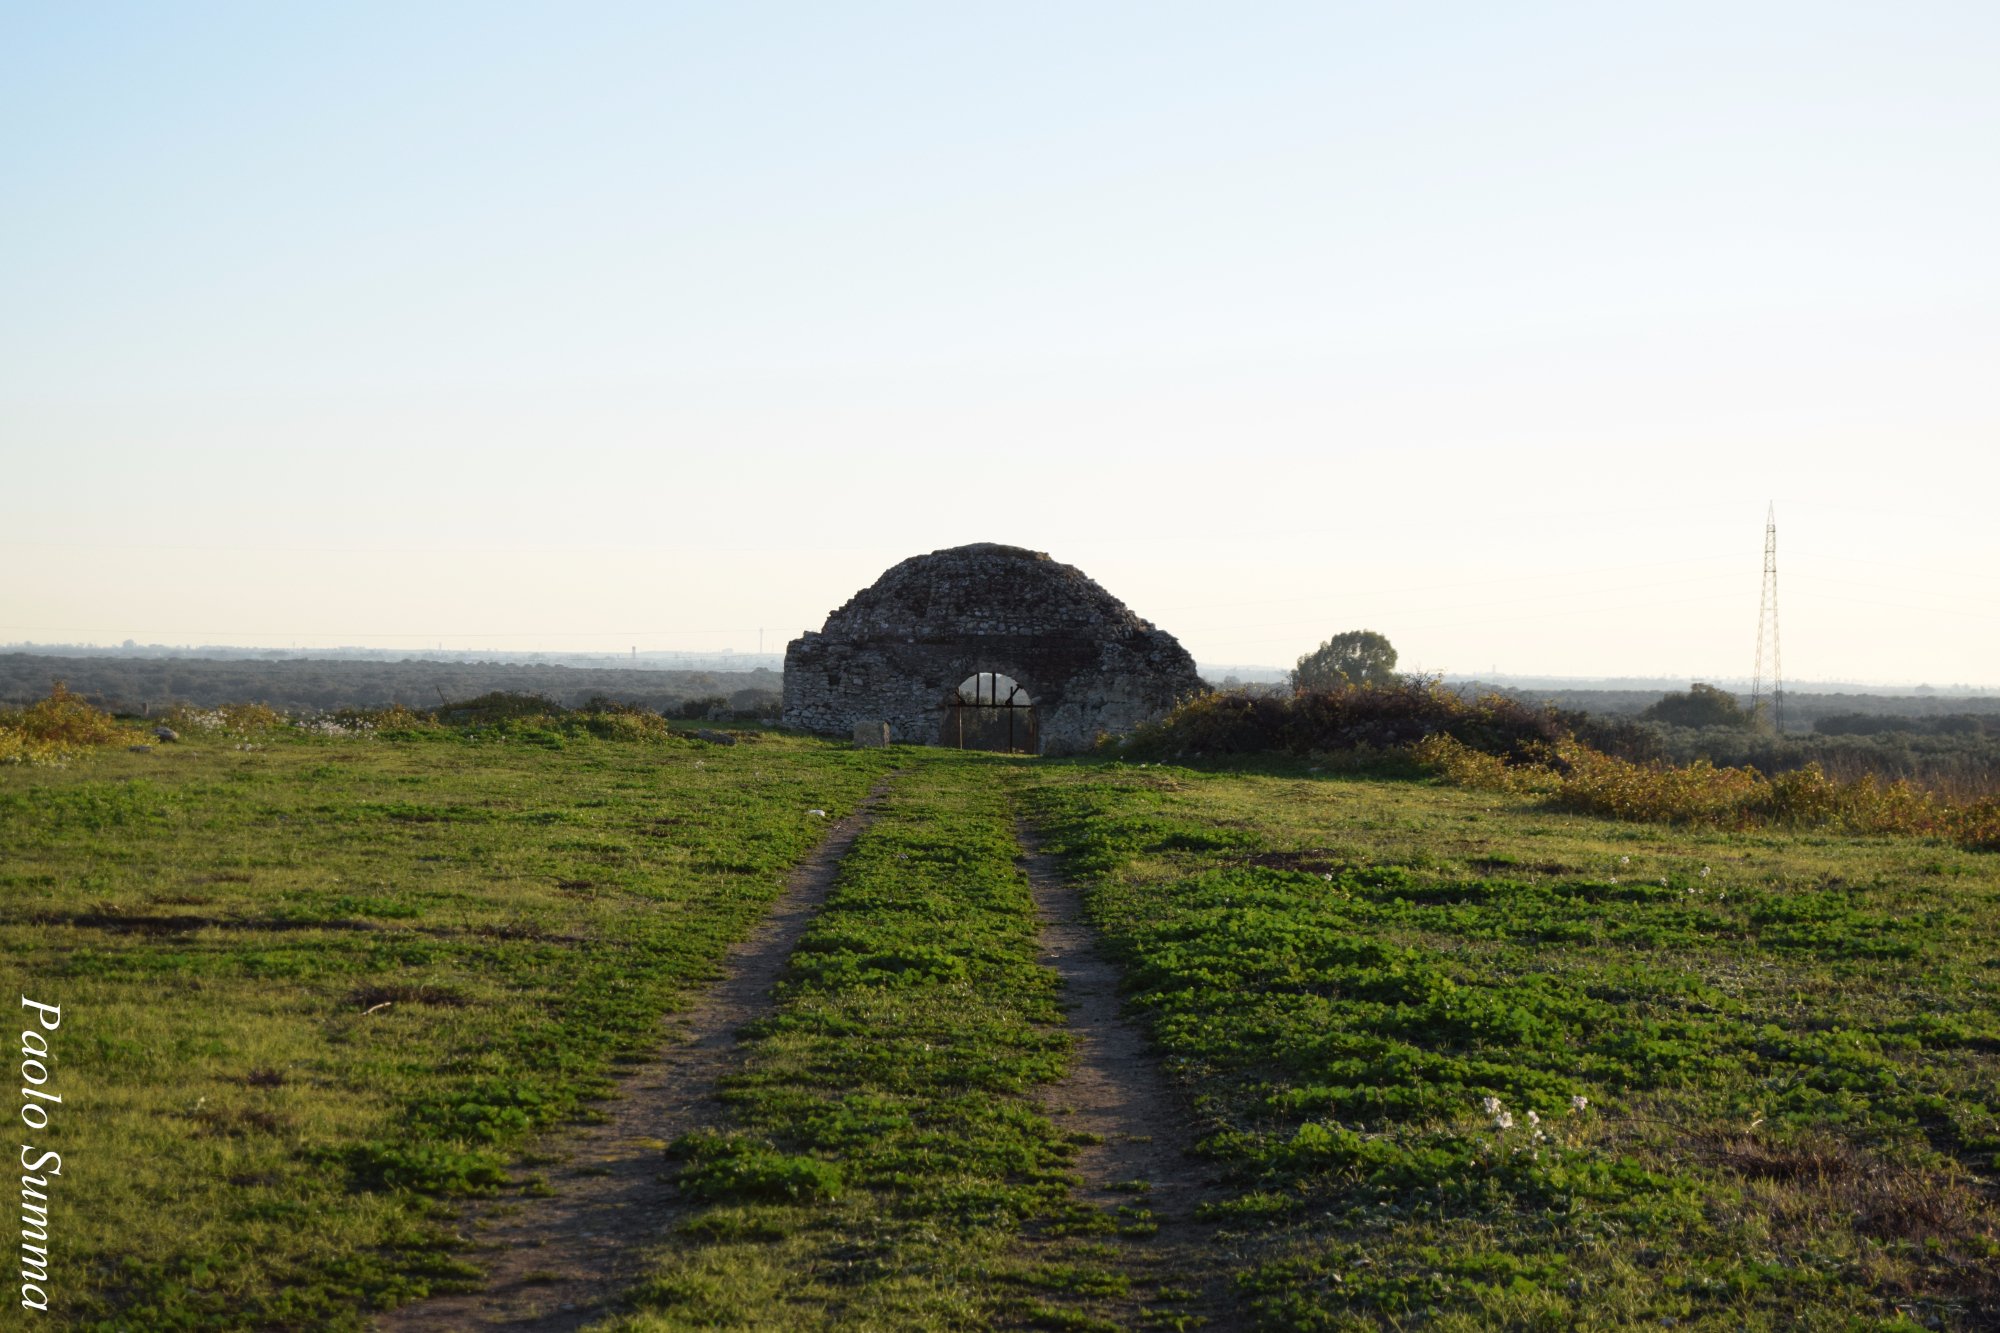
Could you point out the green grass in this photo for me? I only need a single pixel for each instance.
(313, 992)
(886, 1164)
(316, 993)
(1789, 1047)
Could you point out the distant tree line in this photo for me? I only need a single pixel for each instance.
(1956, 752)
(152, 685)
(1803, 710)
(1875, 724)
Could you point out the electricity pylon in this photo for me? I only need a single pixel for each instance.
(1767, 631)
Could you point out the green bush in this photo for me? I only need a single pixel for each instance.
(1382, 717)
(1357, 657)
(1702, 706)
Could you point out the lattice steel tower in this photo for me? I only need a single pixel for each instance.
(1767, 630)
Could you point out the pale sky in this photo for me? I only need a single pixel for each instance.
(585, 327)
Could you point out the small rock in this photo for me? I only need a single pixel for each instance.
(715, 737)
(166, 733)
(140, 749)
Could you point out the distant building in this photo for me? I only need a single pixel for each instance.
(988, 646)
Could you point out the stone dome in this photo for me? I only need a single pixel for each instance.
(983, 588)
(897, 651)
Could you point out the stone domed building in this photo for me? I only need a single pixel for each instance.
(988, 646)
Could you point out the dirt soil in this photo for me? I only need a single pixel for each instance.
(1139, 1128)
(557, 1261)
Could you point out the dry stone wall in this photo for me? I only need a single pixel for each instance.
(897, 651)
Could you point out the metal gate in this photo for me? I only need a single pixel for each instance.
(992, 696)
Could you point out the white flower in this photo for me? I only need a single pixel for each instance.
(1503, 1121)
(1492, 1105)
(1704, 872)
(1578, 1102)
(1534, 1119)
(1624, 860)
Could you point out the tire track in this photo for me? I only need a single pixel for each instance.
(1134, 1126)
(558, 1262)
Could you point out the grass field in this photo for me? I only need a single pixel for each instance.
(1459, 1061)
(310, 990)
(1471, 1064)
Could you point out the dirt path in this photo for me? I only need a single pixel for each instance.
(1116, 1095)
(555, 1262)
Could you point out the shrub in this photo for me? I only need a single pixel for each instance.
(1383, 717)
(393, 722)
(1502, 744)
(1599, 784)
(498, 706)
(1976, 826)
(1702, 706)
(1463, 766)
(54, 728)
(756, 703)
(65, 719)
(1703, 794)
(225, 719)
(623, 724)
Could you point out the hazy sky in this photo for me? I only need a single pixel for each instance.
(1491, 327)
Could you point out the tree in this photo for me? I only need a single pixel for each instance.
(1702, 706)
(1358, 657)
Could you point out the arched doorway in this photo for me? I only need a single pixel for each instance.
(989, 711)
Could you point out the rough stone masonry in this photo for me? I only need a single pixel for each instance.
(899, 649)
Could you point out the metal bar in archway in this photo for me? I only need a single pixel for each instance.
(1010, 705)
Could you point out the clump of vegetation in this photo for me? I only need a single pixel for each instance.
(224, 719)
(55, 728)
(1701, 706)
(530, 719)
(1376, 717)
(1357, 657)
(1578, 763)
(1577, 778)
(498, 706)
